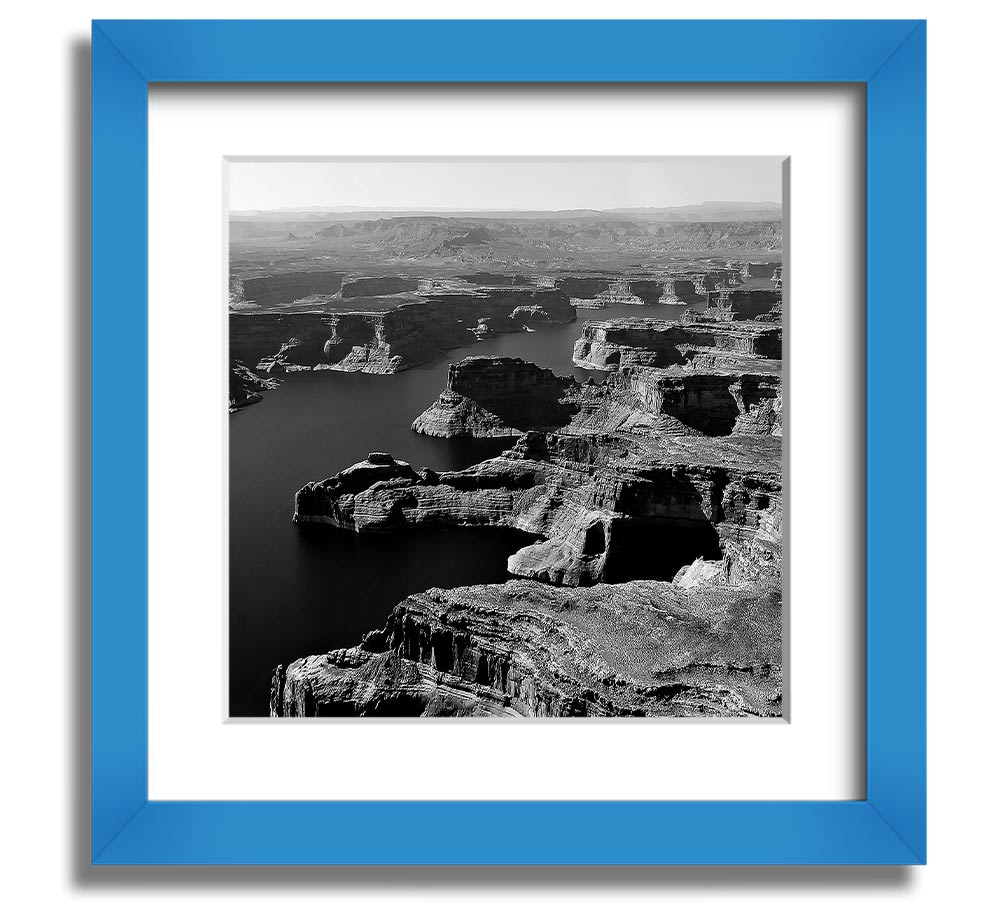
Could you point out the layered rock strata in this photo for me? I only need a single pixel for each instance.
(245, 386)
(284, 288)
(376, 286)
(497, 279)
(738, 304)
(630, 291)
(681, 290)
(756, 270)
(524, 649)
(615, 344)
(592, 499)
(595, 292)
(713, 281)
(499, 397)
(742, 402)
(388, 341)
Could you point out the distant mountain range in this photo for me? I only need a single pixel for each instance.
(713, 211)
(483, 241)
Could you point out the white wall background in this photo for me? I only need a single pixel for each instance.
(44, 467)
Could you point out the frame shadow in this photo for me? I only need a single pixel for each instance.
(736, 880)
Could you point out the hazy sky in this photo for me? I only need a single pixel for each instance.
(554, 183)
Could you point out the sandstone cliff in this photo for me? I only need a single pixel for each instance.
(756, 270)
(593, 500)
(615, 344)
(283, 288)
(499, 397)
(390, 340)
(686, 286)
(739, 304)
(245, 386)
(523, 649)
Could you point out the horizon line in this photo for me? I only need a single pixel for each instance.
(348, 209)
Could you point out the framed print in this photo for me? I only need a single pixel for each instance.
(529, 577)
(477, 463)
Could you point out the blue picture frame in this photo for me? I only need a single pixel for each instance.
(889, 825)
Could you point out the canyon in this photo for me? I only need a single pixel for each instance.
(390, 323)
(653, 495)
(633, 485)
(502, 397)
(388, 338)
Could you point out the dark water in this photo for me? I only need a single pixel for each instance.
(300, 590)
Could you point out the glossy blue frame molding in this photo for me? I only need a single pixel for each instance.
(889, 826)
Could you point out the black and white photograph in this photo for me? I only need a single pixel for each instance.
(464, 456)
(506, 437)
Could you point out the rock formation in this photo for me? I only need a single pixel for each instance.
(739, 304)
(681, 290)
(375, 286)
(269, 341)
(390, 340)
(759, 270)
(589, 498)
(630, 291)
(713, 281)
(615, 344)
(283, 288)
(497, 397)
(500, 397)
(639, 648)
(493, 278)
(245, 386)
(687, 287)
(713, 401)
(584, 288)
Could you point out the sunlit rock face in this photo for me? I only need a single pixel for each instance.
(525, 649)
(389, 340)
(245, 386)
(620, 343)
(496, 397)
(584, 496)
(743, 304)
(499, 397)
(262, 292)
(758, 270)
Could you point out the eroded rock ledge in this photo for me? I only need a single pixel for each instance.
(389, 340)
(639, 648)
(595, 501)
(245, 386)
(499, 397)
(684, 286)
(491, 396)
(615, 344)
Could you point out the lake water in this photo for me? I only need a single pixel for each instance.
(300, 590)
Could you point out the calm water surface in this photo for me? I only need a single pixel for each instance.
(301, 590)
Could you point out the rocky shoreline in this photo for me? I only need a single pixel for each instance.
(383, 324)
(403, 335)
(654, 585)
